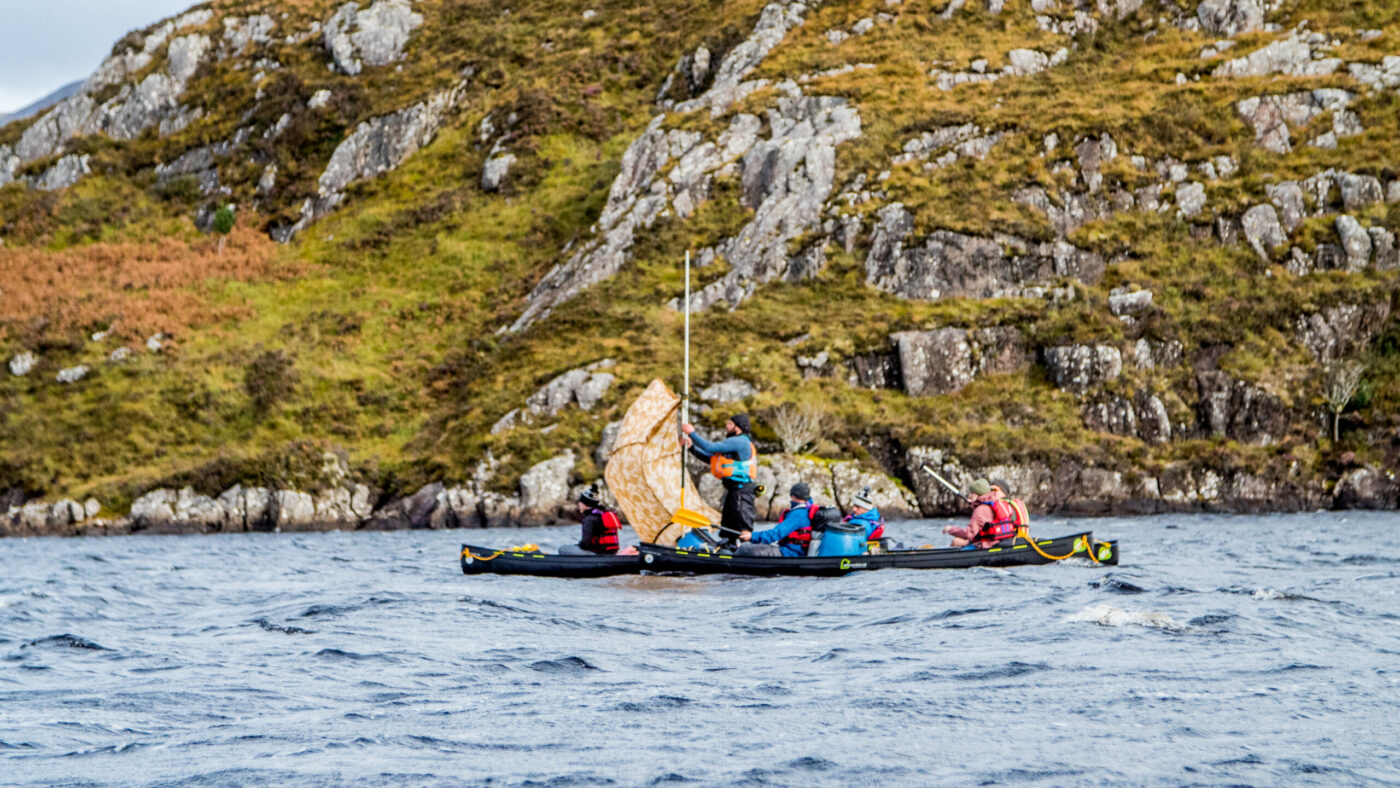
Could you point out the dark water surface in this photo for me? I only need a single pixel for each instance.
(1239, 650)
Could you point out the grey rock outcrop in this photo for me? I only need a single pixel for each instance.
(1262, 230)
(584, 386)
(1339, 330)
(240, 32)
(949, 264)
(1239, 410)
(1230, 17)
(726, 391)
(72, 374)
(494, 172)
(375, 146)
(1082, 368)
(849, 479)
(1156, 354)
(22, 363)
(1383, 75)
(1356, 243)
(934, 362)
(786, 179)
(1368, 487)
(414, 511)
(774, 22)
(1144, 417)
(606, 443)
(544, 490)
(639, 194)
(1288, 198)
(1271, 117)
(63, 173)
(777, 473)
(1190, 199)
(945, 360)
(1122, 301)
(1293, 56)
(1358, 191)
(371, 37)
(125, 116)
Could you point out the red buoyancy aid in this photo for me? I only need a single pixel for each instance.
(607, 541)
(1002, 525)
(1011, 510)
(802, 537)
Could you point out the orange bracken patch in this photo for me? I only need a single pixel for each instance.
(137, 289)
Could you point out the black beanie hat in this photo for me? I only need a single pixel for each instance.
(590, 496)
(801, 491)
(741, 420)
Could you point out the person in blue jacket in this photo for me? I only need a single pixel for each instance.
(865, 512)
(791, 536)
(734, 461)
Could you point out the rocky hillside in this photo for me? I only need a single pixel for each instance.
(1130, 255)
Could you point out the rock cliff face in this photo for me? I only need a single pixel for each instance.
(964, 235)
(948, 265)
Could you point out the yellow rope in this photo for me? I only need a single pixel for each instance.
(524, 548)
(1021, 533)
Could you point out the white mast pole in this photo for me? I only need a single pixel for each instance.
(685, 388)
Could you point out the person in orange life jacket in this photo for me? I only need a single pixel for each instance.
(790, 537)
(1008, 509)
(864, 511)
(993, 517)
(733, 461)
(600, 526)
(982, 497)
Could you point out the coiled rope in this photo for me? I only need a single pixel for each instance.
(1021, 533)
(524, 548)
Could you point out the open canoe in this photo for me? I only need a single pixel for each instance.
(1016, 552)
(486, 560)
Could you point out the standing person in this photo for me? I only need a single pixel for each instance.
(734, 462)
(983, 529)
(600, 526)
(793, 533)
(864, 511)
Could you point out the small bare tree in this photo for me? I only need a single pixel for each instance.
(1343, 378)
(798, 426)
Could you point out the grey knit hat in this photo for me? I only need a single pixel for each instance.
(863, 499)
(801, 491)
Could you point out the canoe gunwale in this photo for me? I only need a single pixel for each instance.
(665, 559)
(474, 561)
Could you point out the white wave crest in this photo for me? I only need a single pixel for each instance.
(1268, 593)
(1106, 615)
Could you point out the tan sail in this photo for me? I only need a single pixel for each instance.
(643, 472)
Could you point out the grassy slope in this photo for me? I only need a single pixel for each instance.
(389, 307)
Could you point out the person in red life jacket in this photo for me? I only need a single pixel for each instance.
(1008, 509)
(793, 533)
(733, 461)
(864, 511)
(981, 530)
(600, 526)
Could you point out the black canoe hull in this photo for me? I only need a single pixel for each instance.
(485, 560)
(1019, 553)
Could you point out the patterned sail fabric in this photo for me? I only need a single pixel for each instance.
(644, 470)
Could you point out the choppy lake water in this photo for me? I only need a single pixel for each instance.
(1225, 649)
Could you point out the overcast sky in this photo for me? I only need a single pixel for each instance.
(45, 44)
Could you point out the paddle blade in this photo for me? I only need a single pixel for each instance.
(690, 519)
